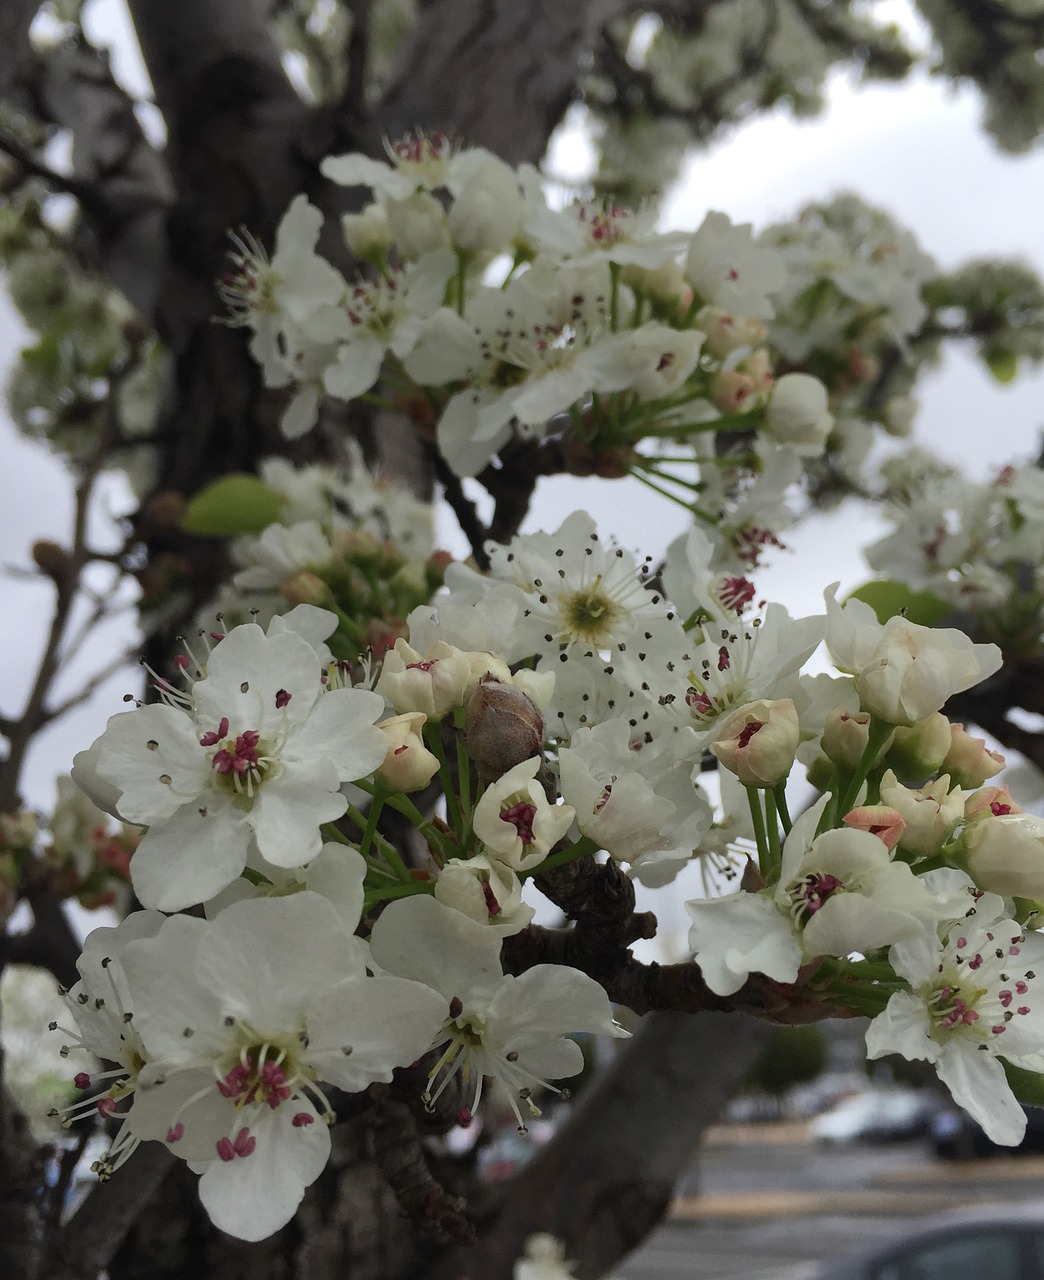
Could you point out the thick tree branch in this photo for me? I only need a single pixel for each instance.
(606, 1178)
(497, 73)
(126, 180)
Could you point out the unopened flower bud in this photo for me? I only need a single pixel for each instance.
(489, 892)
(880, 820)
(1005, 855)
(418, 225)
(726, 333)
(435, 682)
(990, 802)
(898, 416)
(368, 233)
(757, 742)
(51, 559)
(969, 761)
(732, 391)
(845, 736)
(502, 727)
(305, 588)
(797, 415)
(918, 750)
(931, 812)
(408, 764)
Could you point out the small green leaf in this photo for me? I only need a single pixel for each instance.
(1003, 364)
(1027, 1086)
(888, 598)
(237, 503)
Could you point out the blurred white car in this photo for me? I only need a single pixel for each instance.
(878, 1115)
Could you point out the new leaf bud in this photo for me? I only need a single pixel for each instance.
(502, 727)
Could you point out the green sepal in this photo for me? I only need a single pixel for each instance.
(1027, 1086)
(237, 503)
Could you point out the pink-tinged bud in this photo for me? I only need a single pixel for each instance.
(880, 820)
(758, 367)
(845, 735)
(725, 333)
(305, 588)
(502, 727)
(758, 742)
(990, 802)
(1005, 855)
(408, 764)
(862, 367)
(732, 391)
(969, 761)
(918, 750)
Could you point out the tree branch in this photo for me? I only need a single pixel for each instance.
(606, 1178)
(525, 55)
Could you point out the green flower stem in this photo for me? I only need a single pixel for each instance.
(433, 739)
(671, 497)
(463, 763)
(372, 817)
(779, 791)
(772, 823)
(876, 738)
(582, 847)
(757, 817)
(614, 296)
(331, 834)
(373, 896)
(401, 804)
(460, 280)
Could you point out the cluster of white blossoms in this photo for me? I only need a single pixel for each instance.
(976, 545)
(488, 316)
(577, 705)
(559, 708)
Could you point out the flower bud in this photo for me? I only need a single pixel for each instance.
(488, 892)
(898, 416)
(434, 683)
(1005, 855)
(969, 761)
(502, 727)
(732, 391)
(408, 764)
(931, 813)
(726, 333)
(797, 415)
(305, 588)
(758, 742)
(368, 234)
(880, 820)
(989, 802)
(418, 225)
(845, 736)
(918, 750)
(51, 559)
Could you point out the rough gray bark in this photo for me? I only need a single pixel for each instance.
(606, 1178)
(499, 73)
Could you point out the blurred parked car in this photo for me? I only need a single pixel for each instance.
(956, 1136)
(969, 1245)
(877, 1115)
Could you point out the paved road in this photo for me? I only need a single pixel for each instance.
(769, 1209)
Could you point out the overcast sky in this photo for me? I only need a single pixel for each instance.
(915, 149)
